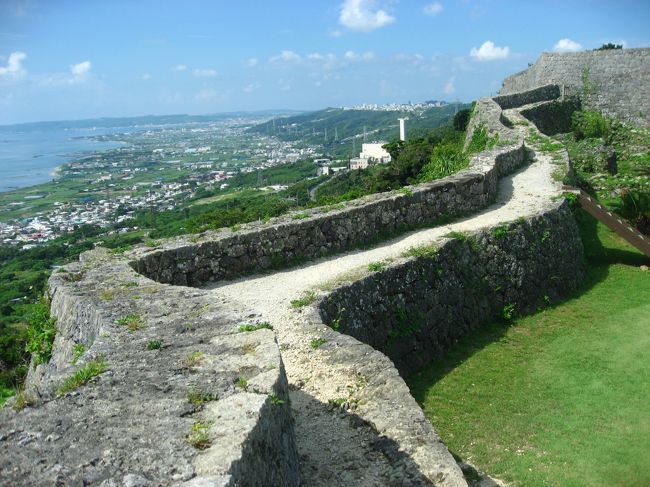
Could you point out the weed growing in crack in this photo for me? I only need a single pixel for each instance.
(317, 342)
(132, 321)
(255, 326)
(199, 436)
(307, 298)
(81, 376)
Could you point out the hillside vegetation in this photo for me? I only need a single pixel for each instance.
(612, 162)
(344, 125)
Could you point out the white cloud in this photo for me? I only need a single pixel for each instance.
(335, 33)
(249, 88)
(206, 95)
(368, 56)
(285, 56)
(80, 72)
(363, 16)
(413, 60)
(350, 55)
(204, 73)
(449, 88)
(14, 68)
(489, 52)
(179, 67)
(145, 77)
(567, 45)
(252, 62)
(433, 9)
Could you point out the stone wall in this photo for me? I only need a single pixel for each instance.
(132, 424)
(553, 117)
(543, 93)
(255, 247)
(617, 80)
(417, 308)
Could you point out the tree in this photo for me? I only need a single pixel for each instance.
(461, 119)
(608, 46)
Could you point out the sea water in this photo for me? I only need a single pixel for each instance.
(29, 157)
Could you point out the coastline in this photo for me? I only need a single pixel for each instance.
(56, 171)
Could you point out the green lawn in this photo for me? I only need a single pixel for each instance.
(561, 397)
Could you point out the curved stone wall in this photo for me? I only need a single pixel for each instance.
(254, 247)
(418, 307)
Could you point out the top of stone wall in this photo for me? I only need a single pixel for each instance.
(617, 80)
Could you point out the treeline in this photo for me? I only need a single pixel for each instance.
(433, 154)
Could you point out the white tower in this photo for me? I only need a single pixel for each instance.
(402, 129)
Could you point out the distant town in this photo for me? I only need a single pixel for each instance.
(398, 107)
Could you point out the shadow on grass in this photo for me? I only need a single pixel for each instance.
(601, 249)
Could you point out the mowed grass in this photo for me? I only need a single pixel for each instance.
(562, 397)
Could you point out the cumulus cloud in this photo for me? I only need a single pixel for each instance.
(14, 67)
(204, 73)
(489, 52)
(567, 45)
(353, 56)
(80, 72)
(449, 88)
(252, 62)
(285, 56)
(179, 67)
(363, 15)
(432, 9)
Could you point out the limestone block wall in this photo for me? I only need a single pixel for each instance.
(417, 308)
(184, 362)
(543, 93)
(255, 247)
(617, 80)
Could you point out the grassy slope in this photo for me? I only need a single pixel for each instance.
(560, 397)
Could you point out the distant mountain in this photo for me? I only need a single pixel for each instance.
(144, 120)
(336, 127)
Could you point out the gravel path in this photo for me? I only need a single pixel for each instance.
(324, 432)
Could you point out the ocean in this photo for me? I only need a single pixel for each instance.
(29, 157)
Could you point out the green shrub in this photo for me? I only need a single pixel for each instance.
(481, 140)
(40, 333)
(446, 159)
(588, 124)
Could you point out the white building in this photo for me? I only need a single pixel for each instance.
(374, 152)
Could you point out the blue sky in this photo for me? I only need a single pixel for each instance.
(63, 59)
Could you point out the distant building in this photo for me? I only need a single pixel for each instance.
(375, 152)
(358, 163)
